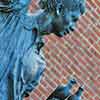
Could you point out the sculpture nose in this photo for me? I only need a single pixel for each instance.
(75, 15)
(75, 18)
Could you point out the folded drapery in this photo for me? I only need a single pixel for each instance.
(21, 60)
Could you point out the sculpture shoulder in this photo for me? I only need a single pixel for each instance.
(30, 20)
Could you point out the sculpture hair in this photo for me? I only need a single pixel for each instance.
(59, 5)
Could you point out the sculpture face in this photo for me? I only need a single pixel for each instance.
(66, 22)
(63, 16)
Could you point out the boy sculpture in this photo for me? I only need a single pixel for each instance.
(21, 59)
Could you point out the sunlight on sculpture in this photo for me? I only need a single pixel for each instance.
(21, 40)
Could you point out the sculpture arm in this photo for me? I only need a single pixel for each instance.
(33, 68)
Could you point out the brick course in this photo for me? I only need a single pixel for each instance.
(78, 52)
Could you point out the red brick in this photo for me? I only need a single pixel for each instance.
(91, 2)
(97, 2)
(97, 98)
(96, 53)
(98, 11)
(96, 14)
(34, 96)
(88, 6)
(96, 29)
(92, 34)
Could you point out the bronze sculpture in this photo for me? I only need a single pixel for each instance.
(77, 95)
(21, 59)
(63, 91)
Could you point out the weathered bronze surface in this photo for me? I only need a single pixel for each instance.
(21, 59)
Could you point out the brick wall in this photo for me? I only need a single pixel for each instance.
(78, 52)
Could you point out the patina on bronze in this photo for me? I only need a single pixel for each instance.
(21, 58)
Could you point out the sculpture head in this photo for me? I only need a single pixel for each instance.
(62, 15)
(72, 81)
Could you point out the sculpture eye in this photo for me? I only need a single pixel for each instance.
(59, 9)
